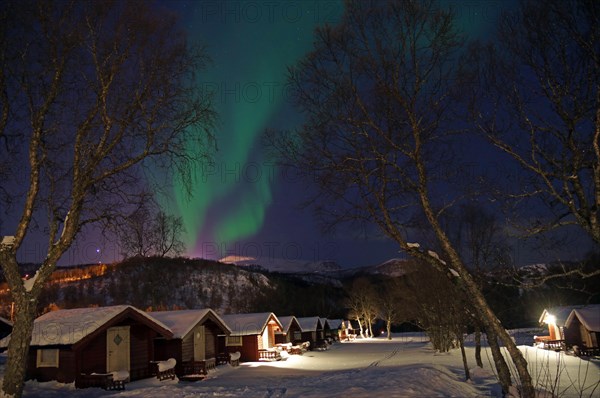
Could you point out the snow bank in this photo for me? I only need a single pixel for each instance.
(403, 367)
(167, 365)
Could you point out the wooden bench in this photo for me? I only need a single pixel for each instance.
(223, 358)
(195, 369)
(556, 345)
(234, 358)
(586, 351)
(321, 345)
(105, 381)
(269, 355)
(231, 358)
(164, 370)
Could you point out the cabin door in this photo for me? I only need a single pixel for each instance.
(117, 349)
(585, 336)
(265, 338)
(199, 344)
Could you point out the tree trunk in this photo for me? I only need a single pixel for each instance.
(499, 362)
(478, 346)
(18, 346)
(461, 341)
(389, 329)
(360, 327)
(488, 318)
(527, 389)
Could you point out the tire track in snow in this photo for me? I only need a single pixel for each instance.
(275, 392)
(388, 356)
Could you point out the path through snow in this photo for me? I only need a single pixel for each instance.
(403, 367)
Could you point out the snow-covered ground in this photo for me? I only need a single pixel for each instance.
(406, 366)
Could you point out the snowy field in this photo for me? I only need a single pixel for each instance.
(406, 366)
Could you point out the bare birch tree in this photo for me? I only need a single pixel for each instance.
(376, 94)
(90, 92)
(537, 99)
(149, 231)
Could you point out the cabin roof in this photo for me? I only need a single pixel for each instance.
(589, 316)
(286, 322)
(310, 324)
(335, 323)
(183, 321)
(248, 324)
(67, 327)
(560, 313)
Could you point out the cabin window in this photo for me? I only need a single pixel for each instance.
(47, 358)
(234, 341)
(297, 335)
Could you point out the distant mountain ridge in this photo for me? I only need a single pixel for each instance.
(394, 267)
(284, 266)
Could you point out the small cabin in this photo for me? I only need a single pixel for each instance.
(335, 326)
(195, 336)
(312, 330)
(554, 318)
(291, 331)
(253, 335)
(582, 329)
(67, 344)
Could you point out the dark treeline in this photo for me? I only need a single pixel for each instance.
(517, 296)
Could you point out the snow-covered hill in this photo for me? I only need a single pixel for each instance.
(284, 266)
(394, 267)
(163, 284)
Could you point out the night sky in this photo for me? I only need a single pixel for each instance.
(245, 205)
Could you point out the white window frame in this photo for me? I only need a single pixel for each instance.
(233, 341)
(47, 358)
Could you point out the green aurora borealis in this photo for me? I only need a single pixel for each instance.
(251, 43)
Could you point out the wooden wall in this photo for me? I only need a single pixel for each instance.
(90, 357)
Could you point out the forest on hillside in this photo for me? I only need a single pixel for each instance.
(159, 283)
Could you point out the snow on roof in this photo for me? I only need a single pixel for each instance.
(589, 316)
(309, 324)
(183, 321)
(324, 322)
(560, 314)
(66, 327)
(4, 320)
(247, 324)
(286, 322)
(335, 323)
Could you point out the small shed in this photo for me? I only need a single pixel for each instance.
(555, 318)
(335, 326)
(195, 336)
(68, 343)
(582, 327)
(291, 331)
(312, 330)
(251, 334)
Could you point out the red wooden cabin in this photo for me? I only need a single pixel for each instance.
(69, 343)
(195, 336)
(251, 334)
